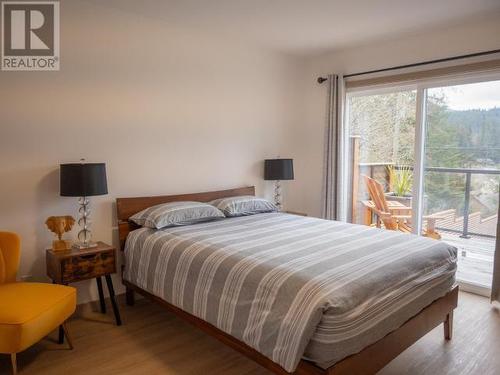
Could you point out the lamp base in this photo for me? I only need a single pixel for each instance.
(84, 235)
(277, 195)
(82, 245)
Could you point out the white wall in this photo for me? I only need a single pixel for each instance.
(173, 110)
(460, 39)
(168, 110)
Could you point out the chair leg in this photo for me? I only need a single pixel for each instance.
(448, 326)
(13, 360)
(66, 333)
(60, 339)
(431, 229)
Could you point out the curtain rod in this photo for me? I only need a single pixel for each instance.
(484, 53)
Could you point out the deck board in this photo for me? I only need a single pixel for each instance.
(475, 258)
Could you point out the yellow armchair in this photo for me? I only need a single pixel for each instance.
(28, 311)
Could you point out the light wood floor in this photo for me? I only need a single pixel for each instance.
(153, 341)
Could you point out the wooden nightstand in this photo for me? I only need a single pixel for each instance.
(65, 267)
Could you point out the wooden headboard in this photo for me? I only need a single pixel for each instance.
(126, 207)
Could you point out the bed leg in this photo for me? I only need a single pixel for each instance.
(129, 296)
(448, 326)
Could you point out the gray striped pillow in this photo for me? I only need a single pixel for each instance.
(176, 213)
(243, 205)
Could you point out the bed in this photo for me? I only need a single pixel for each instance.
(296, 294)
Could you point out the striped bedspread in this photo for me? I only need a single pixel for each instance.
(292, 287)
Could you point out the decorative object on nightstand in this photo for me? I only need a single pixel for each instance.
(83, 180)
(60, 225)
(83, 264)
(278, 170)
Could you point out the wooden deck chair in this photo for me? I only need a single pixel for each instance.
(395, 217)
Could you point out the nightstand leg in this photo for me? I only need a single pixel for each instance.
(101, 294)
(109, 282)
(61, 335)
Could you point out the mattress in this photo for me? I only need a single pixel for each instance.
(293, 287)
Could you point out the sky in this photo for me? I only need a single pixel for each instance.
(482, 95)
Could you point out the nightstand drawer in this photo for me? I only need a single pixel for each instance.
(87, 266)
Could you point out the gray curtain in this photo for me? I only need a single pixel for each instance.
(331, 148)
(495, 287)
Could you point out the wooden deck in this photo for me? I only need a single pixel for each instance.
(475, 258)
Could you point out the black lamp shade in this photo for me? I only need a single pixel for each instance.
(83, 180)
(278, 169)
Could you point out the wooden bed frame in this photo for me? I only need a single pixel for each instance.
(368, 361)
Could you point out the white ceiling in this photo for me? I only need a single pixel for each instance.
(311, 26)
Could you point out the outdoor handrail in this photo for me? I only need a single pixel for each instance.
(437, 169)
(463, 170)
(468, 179)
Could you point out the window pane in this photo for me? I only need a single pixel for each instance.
(382, 130)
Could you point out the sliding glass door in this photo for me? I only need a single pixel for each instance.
(462, 173)
(426, 159)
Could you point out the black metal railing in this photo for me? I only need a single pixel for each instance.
(465, 233)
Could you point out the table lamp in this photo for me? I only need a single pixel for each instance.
(83, 180)
(278, 170)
